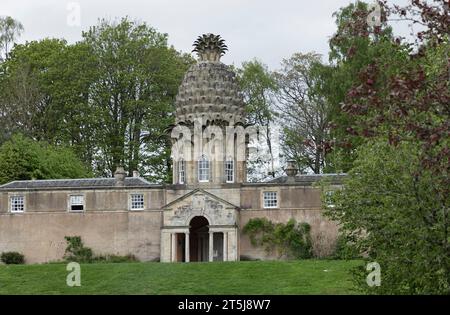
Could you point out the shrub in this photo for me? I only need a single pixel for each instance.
(76, 251)
(12, 258)
(345, 249)
(260, 231)
(290, 240)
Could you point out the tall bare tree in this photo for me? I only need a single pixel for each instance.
(10, 29)
(303, 111)
(259, 87)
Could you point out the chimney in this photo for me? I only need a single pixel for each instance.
(291, 170)
(119, 176)
(136, 174)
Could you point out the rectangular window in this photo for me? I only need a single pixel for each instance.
(229, 171)
(137, 202)
(270, 199)
(181, 172)
(17, 204)
(76, 203)
(203, 170)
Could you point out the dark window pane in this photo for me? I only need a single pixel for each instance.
(77, 207)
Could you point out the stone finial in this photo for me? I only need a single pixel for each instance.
(119, 176)
(136, 174)
(291, 170)
(210, 47)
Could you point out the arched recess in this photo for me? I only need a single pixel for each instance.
(199, 238)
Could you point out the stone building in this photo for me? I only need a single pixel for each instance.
(199, 217)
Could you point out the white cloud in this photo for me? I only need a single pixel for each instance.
(266, 29)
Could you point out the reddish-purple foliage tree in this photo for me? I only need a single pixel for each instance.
(408, 99)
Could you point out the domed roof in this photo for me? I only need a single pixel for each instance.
(209, 90)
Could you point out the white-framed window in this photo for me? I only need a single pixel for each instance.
(270, 199)
(76, 203)
(137, 201)
(229, 170)
(203, 169)
(17, 204)
(181, 171)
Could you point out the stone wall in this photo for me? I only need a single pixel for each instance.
(323, 231)
(301, 203)
(40, 236)
(108, 227)
(95, 200)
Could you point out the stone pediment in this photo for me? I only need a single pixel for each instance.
(200, 203)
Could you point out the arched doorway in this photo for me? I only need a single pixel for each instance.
(199, 239)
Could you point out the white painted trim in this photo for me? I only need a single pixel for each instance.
(232, 171)
(130, 203)
(10, 204)
(277, 194)
(69, 205)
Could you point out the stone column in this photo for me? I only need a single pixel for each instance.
(174, 247)
(211, 246)
(186, 246)
(233, 245)
(225, 246)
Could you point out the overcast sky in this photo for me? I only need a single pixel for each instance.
(267, 29)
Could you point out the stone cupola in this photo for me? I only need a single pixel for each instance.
(209, 90)
(209, 102)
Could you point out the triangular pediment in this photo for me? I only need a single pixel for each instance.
(195, 197)
(199, 203)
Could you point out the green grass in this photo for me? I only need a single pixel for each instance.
(246, 277)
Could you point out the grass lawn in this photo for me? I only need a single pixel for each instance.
(246, 277)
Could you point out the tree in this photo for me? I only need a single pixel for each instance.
(258, 86)
(353, 47)
(392, 214)
(110, 96)
(10, 29)
(27, 88)
(74, 118)
(396, 201)
(22, 158)
(136, 81)
(303, 111)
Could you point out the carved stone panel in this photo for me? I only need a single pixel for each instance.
(200, 204)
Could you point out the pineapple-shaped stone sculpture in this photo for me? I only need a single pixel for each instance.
(209, 90)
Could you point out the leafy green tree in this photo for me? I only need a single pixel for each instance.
(22, 158)
(394, 217)
(44, 94)
(110, 97)
(73, 118)
(394, 205)
(136, 80)
(27, 87)
(353, 47)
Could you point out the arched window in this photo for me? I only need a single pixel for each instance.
(181, 171)
(203, 169)
(229, 170)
